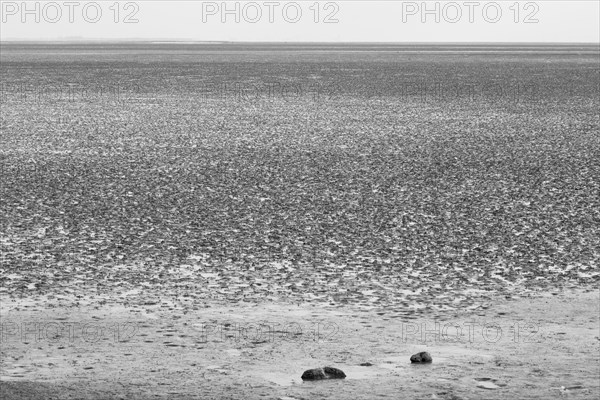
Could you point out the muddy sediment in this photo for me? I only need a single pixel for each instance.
(260, 351)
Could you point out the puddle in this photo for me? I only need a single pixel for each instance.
(353, 372)
(389, 367)
(358, 372)
(403, 361)
(452, 354)
(487, 385)
(281, 379)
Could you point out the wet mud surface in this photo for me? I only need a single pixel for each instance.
(535, 347)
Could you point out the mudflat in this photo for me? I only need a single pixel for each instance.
(542, 346)
(209, 221)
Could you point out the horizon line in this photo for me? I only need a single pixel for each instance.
(188, 41)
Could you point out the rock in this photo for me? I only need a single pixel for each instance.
(323, 373)
(422, 358)
(334, 373)
(313, 374)
(366, 364)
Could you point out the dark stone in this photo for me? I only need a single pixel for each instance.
(334, 373)
(313, 374)
(316, 374)
(421, 358)
(366, 364)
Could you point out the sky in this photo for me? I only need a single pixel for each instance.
(303, 20)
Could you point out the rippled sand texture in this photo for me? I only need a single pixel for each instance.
(363, 188)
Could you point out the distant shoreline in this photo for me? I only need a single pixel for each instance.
(316, 44)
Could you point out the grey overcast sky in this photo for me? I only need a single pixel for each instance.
(304, 21)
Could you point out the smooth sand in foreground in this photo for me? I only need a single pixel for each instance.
(250, 351)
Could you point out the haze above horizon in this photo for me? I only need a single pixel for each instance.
(342, 21)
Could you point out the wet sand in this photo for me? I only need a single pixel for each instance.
(542, 346)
